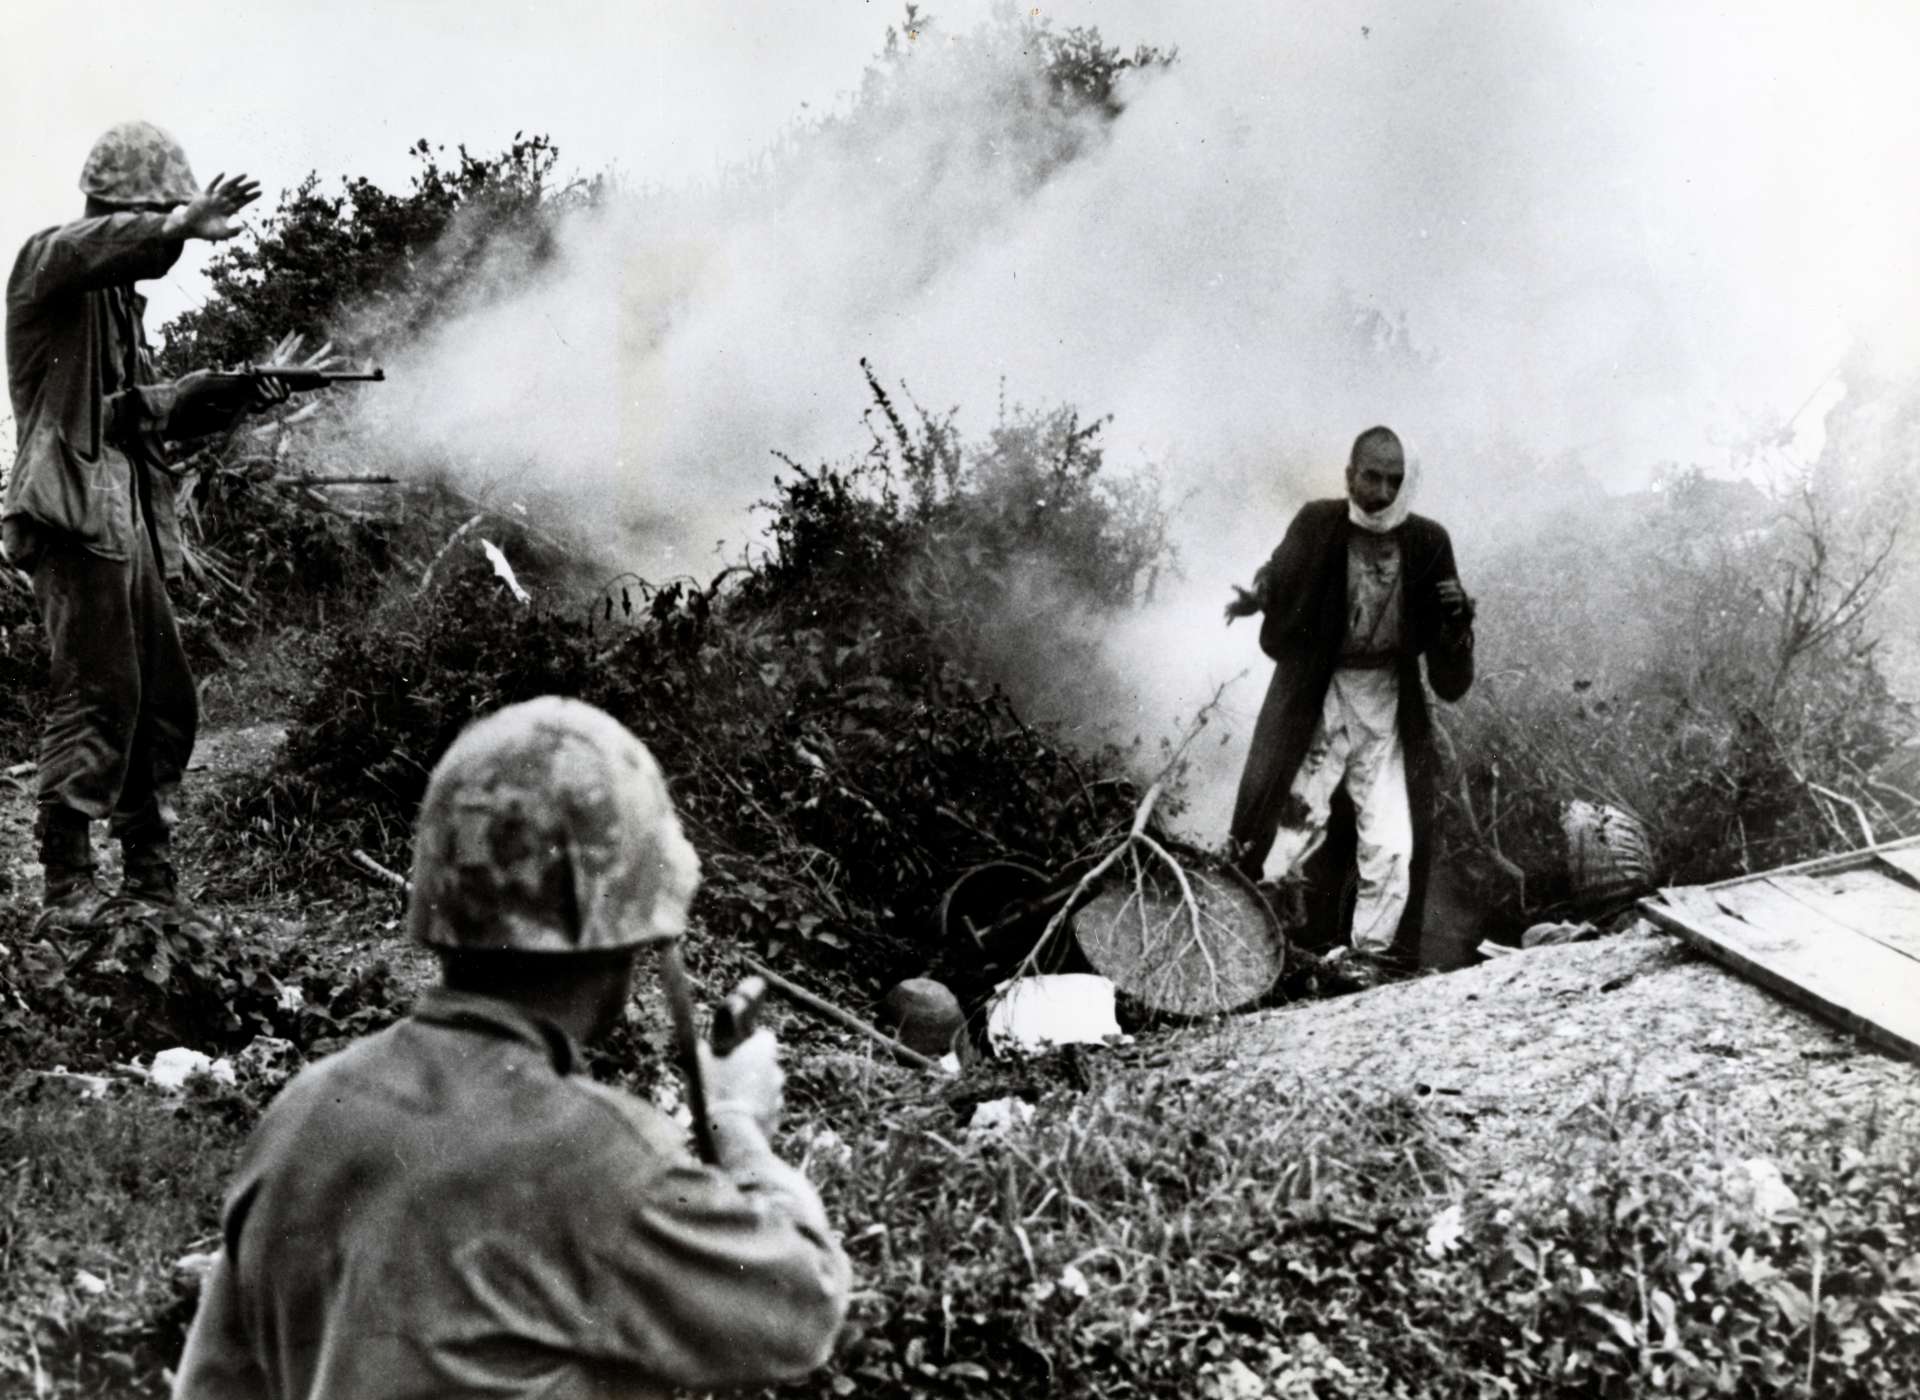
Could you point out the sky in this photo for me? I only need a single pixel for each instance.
(276, 89)
(1615, 235)
(1671, 192)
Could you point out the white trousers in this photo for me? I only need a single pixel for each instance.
(1357, 742)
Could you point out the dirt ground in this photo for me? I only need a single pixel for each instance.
(1506, 1049)
(1502, 1050)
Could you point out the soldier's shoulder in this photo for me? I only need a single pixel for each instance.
(620, 1112)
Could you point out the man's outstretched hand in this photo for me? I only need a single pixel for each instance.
(210, 213)
(1244, 604)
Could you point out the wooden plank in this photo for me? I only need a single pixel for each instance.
(1857, 984)
(1872, 904)
(1794, 902)
(1904, 860)
(1866, 855)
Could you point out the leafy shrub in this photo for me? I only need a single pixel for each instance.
(135, 987)
(96, 1203)
(462, 230)
(1148, 1232)
(836, 744)
(1714, 675)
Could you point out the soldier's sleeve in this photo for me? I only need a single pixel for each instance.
(217, 1363)
(163, 411)
(87, 255)
(703, 1276)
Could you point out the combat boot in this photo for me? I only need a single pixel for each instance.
(148, 874)
(73, 898)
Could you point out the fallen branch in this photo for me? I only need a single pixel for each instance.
(821, 1006)
(1866, 828)
(367, 865)
(1136, 835)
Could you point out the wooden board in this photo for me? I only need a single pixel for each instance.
(1907, 847)
(1801, 904)
(1905, 860)
(1863, 900)
(1759, 929)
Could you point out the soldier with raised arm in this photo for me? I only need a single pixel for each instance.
(448, 1208)
(89, 511)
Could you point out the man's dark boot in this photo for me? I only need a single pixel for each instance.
(147, 873)
(73, 898)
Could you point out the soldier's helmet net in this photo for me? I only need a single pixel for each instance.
(137, 163)
(548, 828)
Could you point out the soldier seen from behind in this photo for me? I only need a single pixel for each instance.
(1358, 591)
(448, 1207)
(89, 511)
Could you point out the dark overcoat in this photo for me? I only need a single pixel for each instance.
(1303, 599)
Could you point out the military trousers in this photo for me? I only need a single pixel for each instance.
(123, 712)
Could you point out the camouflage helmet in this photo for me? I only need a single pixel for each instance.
(137, 163)
(547, 828)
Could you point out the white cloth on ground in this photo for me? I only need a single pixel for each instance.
(1357, 741)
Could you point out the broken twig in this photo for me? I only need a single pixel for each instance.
(821, 1006)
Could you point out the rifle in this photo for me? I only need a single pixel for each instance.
(298, 378)
(733, 1022)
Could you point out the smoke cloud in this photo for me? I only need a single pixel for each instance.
(1554, 245)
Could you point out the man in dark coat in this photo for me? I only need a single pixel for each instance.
(1358, 591)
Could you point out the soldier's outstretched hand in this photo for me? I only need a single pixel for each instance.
(210, 214)
(748, 1080)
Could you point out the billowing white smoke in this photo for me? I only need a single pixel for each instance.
(1591, 236)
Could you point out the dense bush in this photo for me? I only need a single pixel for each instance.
(369, 267)
(135, 987)
(838, 761)
(1702, 659)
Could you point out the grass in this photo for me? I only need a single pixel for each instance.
(98, 1198)
(1165, 1224)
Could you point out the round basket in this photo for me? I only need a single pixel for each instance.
(1219, 953)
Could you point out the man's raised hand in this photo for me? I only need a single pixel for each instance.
(210, 214)
(1244, 604)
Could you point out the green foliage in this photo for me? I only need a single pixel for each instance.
(97, 1201)
(136, 986)
(393, 261)
(1148, 1231)
(1051, 90)
(836, 748)
(23, 669)
(1702, 659)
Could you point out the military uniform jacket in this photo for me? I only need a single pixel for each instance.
(87, 410)
(445, 1209)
